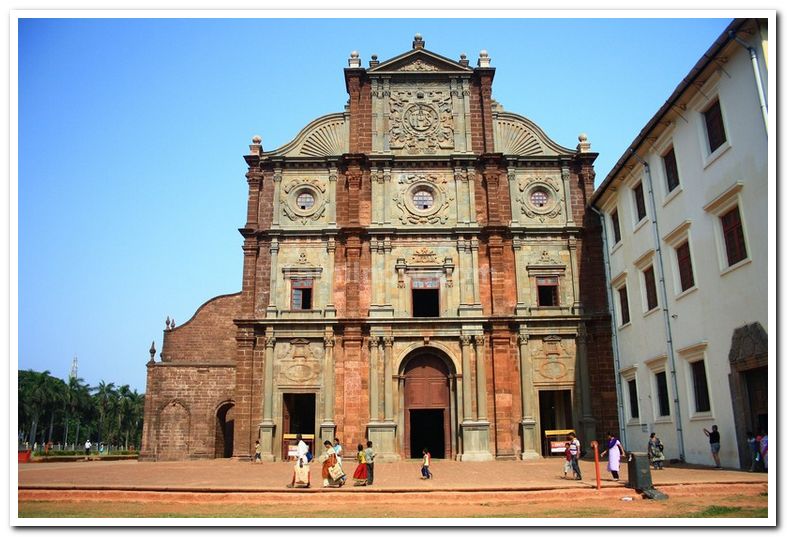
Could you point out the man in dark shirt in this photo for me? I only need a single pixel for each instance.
(713, 438)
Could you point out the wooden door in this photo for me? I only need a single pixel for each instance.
(426, 388)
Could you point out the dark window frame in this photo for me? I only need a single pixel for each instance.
(651, 296)
(714, 126)
(639, 201)
(685, 270)
(633, 398)
(671, 169)
(700, 384)
(662, 393)
(299, 286)
(425, 284)
(615, 217)
(732, 231)
(552, 282)
(623, 297)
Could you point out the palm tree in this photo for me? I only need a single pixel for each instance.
(104, 398)
(77, 400)
(40, 393)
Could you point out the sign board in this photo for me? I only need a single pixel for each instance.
(557, 446)
(292, 451)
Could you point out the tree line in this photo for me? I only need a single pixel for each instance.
(55, 411)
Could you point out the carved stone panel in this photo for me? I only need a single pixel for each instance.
(553, 360)
(303, 200)
(299, 363)
(540, 199)
(423, 198)
(420, 119)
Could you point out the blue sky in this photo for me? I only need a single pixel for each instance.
(131, 134)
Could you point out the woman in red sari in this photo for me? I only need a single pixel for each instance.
(361, 473)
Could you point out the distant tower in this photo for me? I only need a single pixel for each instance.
(73, 373)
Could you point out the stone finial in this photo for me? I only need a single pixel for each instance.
(355, 59)
(173, 324)
(418, 42)
(463, 61)
(483, 59)
(167, 322)
(373, 62)
(583, 146)
(152, 351)
(256, 145)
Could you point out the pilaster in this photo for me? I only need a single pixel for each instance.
(527, 390)
(267, 426)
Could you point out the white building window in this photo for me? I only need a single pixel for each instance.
(698, 385)
(631, 395)
(681, 259)
(732, 242)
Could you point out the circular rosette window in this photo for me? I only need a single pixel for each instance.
(541, 198)
(305, 200)
(423, 199)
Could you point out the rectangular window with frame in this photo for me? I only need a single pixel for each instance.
(633, 400)
(700, 380)
(639, 201)
(650, 287)
(301, 298)
(615, 226)
(671, 169)
(683, 253)
(426, 297)
(714, 126)
(623, 295)
(547, 287)
(663, 393)
(734, 243)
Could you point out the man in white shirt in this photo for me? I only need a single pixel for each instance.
(575, 449)
(303, 449)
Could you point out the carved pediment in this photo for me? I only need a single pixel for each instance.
(419, 61)
(298, 363)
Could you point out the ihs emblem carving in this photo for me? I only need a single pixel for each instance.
(421, 121)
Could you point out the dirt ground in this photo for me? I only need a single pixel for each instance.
(235, 489)
(690, 501)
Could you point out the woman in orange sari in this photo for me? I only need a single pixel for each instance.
(328, 461)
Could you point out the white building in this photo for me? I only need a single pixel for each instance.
(685, 212)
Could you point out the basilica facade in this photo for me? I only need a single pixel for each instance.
(419, 270)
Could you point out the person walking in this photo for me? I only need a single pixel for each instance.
(715, 444)
(614, 452)
(337, 447)
(575, 450)
(425, 473)
(257, 451)
(301, 473)
(361, 472)
(332, 476)
(754, 450)
(567, 460)
(369, 463)
(656, 452)
(764, 450)
(88, 445)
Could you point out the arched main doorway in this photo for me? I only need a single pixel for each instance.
(427, 414)
(225, 431)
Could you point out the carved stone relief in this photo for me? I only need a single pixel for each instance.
(303, 213)
(421, 119)
(419, 65)
(434, 185)
(553, 360)
(540, 198)
(298, 363)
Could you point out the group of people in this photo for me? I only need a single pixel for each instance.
(758, 447)
(332, 471)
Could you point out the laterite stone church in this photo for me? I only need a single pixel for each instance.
(420, 269)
